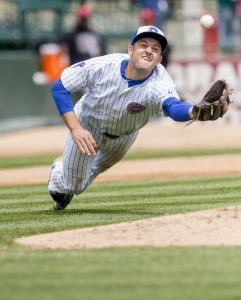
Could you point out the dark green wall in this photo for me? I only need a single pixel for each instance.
(20, 98)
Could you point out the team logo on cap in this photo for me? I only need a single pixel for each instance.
(135, 108)
(152, 29)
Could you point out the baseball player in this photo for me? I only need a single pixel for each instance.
(123, 91)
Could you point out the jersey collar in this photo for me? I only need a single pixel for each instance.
(131, 82)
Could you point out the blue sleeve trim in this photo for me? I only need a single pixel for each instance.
(176, 109)
(62, 97)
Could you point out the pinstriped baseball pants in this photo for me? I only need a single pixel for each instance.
(77, 171)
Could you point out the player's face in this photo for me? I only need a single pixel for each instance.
(145, 54)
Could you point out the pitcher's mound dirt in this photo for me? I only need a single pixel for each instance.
(219, 227)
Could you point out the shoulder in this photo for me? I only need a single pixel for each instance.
(161, 77)
(108, 59)
(101, 62)
(95, 65)
(162, 84)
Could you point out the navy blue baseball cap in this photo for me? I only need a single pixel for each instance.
(152, 32)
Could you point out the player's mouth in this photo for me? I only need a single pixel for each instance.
(146, 58)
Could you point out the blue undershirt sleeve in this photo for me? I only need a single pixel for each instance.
(62, 97)
(176, 109)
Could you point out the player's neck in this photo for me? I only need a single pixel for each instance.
(136, 74)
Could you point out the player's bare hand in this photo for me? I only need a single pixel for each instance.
(84, 140)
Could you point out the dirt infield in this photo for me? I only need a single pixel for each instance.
(156, 135)
(217, 227)
(214, 227)
(179, 167)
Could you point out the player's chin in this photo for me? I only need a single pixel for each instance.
(146, 65)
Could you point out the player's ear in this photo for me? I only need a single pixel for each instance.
(160, 59)
(130, 49)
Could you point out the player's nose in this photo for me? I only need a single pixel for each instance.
(149, 50)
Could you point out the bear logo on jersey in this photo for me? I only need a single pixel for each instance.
(135, 108)
(80, 64)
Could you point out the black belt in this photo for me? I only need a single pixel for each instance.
(111, 136)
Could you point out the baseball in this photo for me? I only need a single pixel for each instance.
(207, 21)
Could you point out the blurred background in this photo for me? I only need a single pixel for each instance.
(38, 38)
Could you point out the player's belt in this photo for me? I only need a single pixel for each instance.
(111, 136)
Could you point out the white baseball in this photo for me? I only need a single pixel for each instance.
(207, 21)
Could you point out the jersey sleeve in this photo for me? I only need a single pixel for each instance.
(168, 101)
(176, 109)
(165, 94)
(164, 88)
(61, 97)
(76, 77)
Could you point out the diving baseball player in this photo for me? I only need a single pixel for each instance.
(123, 91)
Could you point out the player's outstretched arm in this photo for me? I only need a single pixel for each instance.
(213, 106)
(177, 110)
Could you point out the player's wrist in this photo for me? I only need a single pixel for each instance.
(190, 112)
(71, 121)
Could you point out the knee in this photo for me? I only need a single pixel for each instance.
(73, 187)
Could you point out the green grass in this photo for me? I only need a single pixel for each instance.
(178, 153)
(116, 273)
(122, 274)
(31, 209)
(22, 161)
(26, 161)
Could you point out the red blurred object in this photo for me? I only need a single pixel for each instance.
(210, 39)
(84, 11)
(147, 16)
(239, 9)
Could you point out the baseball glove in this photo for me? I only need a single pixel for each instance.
(214, 104)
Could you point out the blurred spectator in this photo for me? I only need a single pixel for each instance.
(147, 17)
(161, 9)
(166, 56)
(83, 42)
(227, 24)
(238, 13)
(239, 10)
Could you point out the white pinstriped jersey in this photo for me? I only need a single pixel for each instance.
(109, 105)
